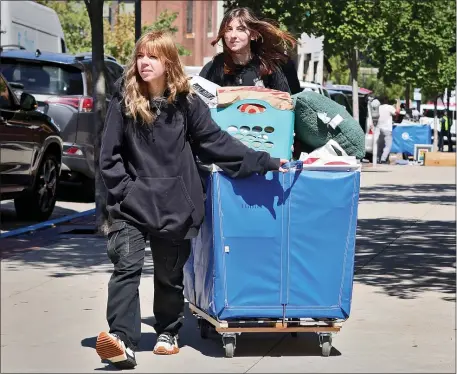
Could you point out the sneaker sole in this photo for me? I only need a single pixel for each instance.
(109, 349)
(164, 351)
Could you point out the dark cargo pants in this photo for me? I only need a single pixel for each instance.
(126, 248)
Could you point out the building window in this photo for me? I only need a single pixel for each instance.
(209, 25)
(189, 16)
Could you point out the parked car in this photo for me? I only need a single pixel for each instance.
(364, 111)
(30, 155)
(316, 87)
(341, 99)
(62, 86)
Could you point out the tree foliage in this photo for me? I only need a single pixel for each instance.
(414, 41)
(119, 38)
(75, 23)
(347, 26)
(408, 41)
(340, 71)
(165, 23)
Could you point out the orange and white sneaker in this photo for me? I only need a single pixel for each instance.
(111, 348)
(167, 344)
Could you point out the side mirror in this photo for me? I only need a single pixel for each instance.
(28, 102)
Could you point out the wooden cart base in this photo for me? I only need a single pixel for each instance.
(229, 329)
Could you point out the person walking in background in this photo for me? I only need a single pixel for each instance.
(445, 131)
(383, 130)
(255, 53)
(155, 192)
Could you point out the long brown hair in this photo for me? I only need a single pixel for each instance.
(136, 96)
(270, 43)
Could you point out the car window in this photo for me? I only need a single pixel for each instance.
(5, 99)
(430, 113)
(49, 79)
(115, 70)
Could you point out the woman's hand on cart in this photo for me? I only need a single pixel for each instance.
(282, 162)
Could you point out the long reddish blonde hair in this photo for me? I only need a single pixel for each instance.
(136, 96)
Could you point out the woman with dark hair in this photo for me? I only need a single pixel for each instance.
(254, 52)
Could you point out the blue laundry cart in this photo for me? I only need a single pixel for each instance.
(275, 253)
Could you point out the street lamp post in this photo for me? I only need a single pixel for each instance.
(137, 19)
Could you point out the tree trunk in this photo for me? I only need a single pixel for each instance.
(95, 11)
(353, 66)
(435, 125)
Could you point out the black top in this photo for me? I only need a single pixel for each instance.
(150, 172)
(244, 75)
(290, 72)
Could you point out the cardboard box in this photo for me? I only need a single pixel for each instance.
(277, 99)
(394, 157)
(439, 159)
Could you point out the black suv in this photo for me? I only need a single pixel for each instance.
(30, 155)
(62, 85)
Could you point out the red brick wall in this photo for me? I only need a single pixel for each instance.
(198, 43)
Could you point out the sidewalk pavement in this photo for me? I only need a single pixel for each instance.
(403, 308)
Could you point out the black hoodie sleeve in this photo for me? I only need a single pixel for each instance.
(112, 167)
(217, 146)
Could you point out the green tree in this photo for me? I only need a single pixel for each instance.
(75, 23)
(412, 47)
(347, 26)
(340, 72)
(380, 88)
(120, 39)
(165, 23)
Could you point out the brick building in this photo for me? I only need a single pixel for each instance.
(197, 23)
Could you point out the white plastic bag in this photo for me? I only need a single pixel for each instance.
(327, 156)
(329, 149)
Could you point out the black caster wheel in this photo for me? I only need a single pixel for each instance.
(205, 328)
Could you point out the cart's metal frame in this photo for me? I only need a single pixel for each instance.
(229, 329)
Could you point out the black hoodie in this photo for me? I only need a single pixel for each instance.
(150, 170)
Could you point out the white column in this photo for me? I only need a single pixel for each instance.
(301, 59)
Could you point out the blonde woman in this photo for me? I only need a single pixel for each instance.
(155, 192)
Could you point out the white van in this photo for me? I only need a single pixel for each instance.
(31, 26)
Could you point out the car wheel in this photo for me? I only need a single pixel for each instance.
(38, 204)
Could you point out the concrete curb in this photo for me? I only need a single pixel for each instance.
(46, 224)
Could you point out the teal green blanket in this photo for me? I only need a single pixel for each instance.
(319, 119)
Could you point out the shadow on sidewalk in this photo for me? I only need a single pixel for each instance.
(69, 254)
(405, 258)
(415, 194)
(9, 220)
(247, 344)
